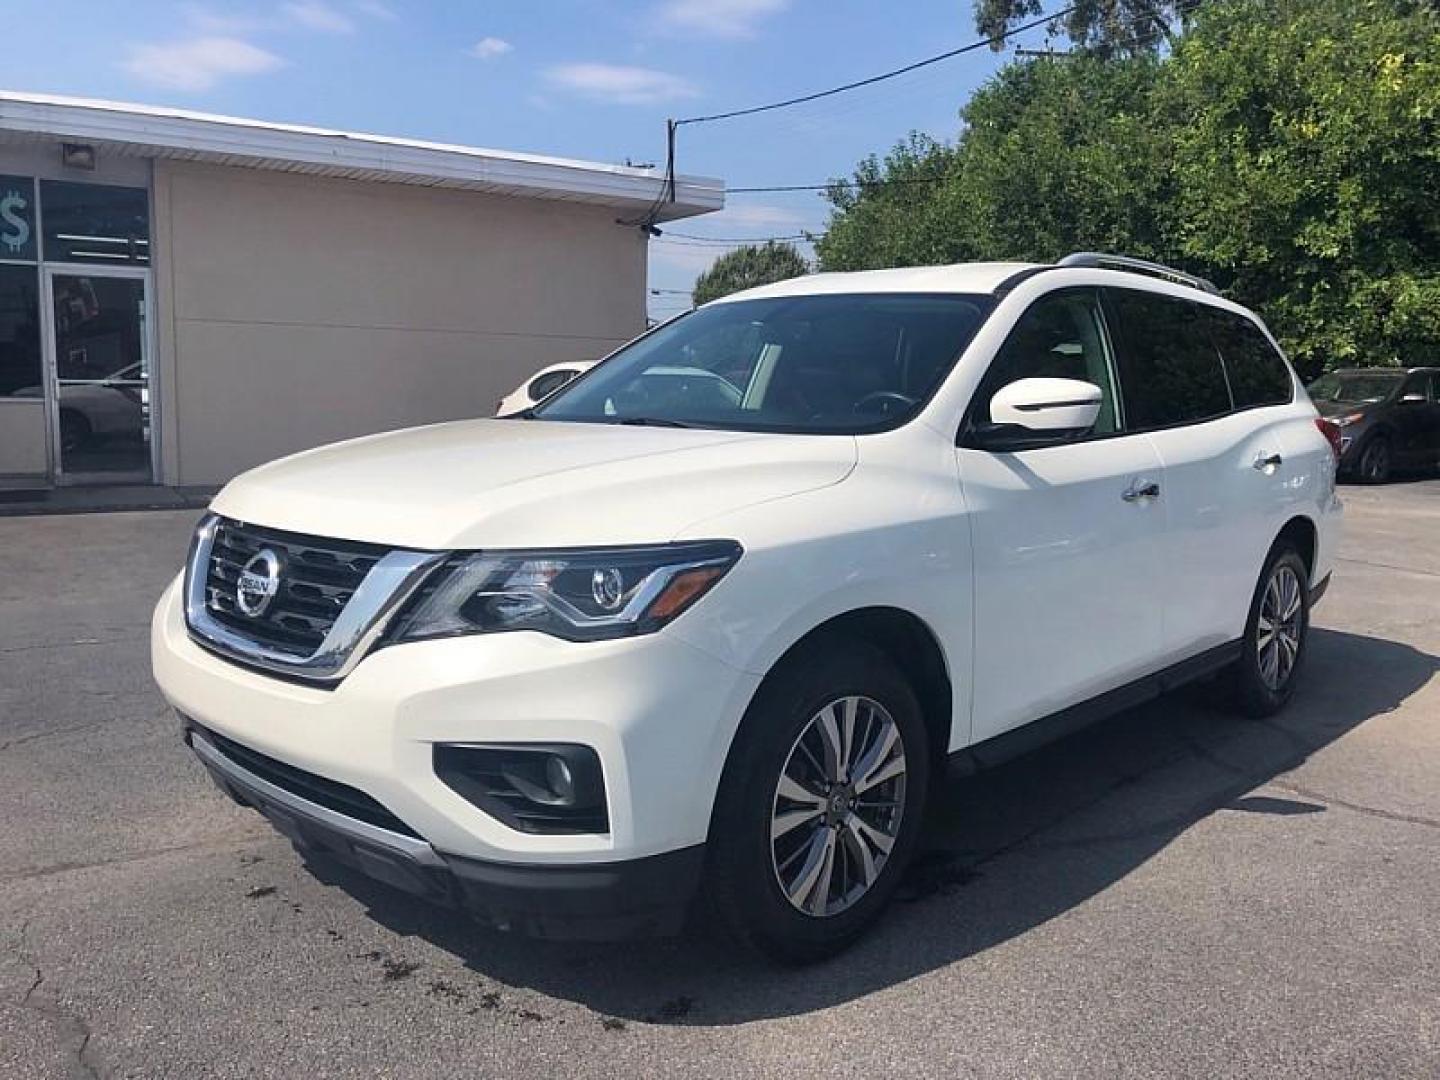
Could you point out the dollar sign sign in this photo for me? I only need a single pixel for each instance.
(19, 234)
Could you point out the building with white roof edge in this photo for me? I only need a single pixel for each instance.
(183, 296)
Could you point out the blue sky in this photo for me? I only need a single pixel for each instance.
(592, 79)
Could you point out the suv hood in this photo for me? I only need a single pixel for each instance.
(520, 483)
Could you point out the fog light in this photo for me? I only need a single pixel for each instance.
(562, 781)
(533, 787)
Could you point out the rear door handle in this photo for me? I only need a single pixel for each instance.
(1273, 461)
(1141, 489)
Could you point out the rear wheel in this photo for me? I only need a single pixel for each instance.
(1275, 635)
(821, 804)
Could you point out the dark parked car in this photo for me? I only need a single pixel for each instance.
(1388, 418)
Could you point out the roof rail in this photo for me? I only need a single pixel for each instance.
(1139, 266)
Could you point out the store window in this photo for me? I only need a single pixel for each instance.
(96, 223)
(19, 332)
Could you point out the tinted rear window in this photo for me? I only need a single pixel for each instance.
(1170, 372)
(1258, 375)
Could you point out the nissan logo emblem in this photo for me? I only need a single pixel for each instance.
(258, 583)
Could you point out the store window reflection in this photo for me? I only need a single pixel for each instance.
(101, 376)
(95, 223)
(19, 332)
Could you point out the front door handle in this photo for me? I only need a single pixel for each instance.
(1141, 489)
(1263, 462)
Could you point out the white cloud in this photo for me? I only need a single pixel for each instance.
(490, 47)
(718, 18)
(617, 84)
(211, 23)
(316, 15)
(684, 260)
(748, 215)
(195, 64)
(376, 10)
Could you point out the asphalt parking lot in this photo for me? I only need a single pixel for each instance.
(1175, 892)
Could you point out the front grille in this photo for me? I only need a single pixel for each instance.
(317, 578)
(330, 794)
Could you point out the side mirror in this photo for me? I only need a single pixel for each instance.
(1031, 413)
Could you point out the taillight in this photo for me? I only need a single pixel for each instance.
(1331, 431)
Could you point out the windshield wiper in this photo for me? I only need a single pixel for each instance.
(652, 421)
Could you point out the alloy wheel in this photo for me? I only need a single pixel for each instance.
(1375, 463)
(838, 806)
(1277, 637)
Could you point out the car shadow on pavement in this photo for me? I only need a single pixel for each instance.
(1006, 851)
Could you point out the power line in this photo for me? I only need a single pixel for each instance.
(883, 76)
(1155, 31)
(735, 239)
(901, 182)
(732, 244)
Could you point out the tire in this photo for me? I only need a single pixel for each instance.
(75, 430)
(1376, 459)
(750, 877)
(1266, 674)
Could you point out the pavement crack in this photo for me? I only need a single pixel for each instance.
(76, 643)
(72, 1028)
(35, 872)
(1272, 777)
(37, 736)
(76, 729)
(1357, 808)
(1387, 566)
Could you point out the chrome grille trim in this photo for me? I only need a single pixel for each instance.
(347, 635)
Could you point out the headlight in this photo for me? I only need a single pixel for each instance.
(579, 595)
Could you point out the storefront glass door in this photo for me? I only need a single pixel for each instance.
(99, 363)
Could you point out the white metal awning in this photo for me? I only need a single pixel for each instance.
(156, 132)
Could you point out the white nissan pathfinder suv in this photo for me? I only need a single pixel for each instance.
(707, 623)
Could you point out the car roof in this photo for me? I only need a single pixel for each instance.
(1381, 370)
(982, 278)
(959, 278)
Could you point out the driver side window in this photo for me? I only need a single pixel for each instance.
(1061, 336)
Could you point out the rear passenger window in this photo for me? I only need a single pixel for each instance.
(1170, 372)
(1420, 383)
(1258, 375)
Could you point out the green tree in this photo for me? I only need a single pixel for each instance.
(1068, 155)
(1289, 149)
(1308, 172)
(1055, 157)
(747, 267)
(1104, 27)
(898, 212)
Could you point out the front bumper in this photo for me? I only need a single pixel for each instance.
(594, 902)
(659, 713)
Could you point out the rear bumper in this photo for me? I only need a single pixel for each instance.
(575, 901)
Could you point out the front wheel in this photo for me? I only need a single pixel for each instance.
(1275, 635)
(821, 803)
(1375, 461)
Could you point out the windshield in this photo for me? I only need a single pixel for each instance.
(825, 364)
(1354, 389)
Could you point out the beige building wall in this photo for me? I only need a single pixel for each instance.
(297, 310)
(23, 455)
